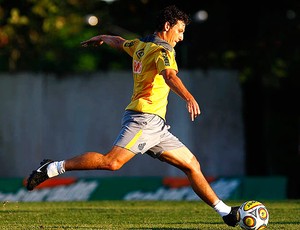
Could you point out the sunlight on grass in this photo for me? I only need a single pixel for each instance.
(132, 215)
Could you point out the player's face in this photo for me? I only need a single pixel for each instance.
(175, 34)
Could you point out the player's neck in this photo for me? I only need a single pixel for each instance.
(161, 35)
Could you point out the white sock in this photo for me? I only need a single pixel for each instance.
(222, 208)
(56, 168)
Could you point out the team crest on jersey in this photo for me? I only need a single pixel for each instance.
(140, 53)
(165, 57)
(137, 66)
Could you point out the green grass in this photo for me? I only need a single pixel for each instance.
(133, 215)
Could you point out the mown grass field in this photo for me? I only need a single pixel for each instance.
(133, 215)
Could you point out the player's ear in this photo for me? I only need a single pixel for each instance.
(167, 26)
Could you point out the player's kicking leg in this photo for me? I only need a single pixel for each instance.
(113, 160)
(183, 159)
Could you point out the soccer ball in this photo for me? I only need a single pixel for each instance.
(253, 215)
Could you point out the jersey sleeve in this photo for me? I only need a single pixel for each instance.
(166, 60)
(129, 46)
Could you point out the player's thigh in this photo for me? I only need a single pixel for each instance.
(181, 158)
(118, 156)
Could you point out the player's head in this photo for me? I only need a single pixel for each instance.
(170, 14)
(170, 25)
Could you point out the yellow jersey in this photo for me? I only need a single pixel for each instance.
(150, 56)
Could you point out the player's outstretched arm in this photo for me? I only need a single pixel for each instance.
(113, 41)
(174, 82)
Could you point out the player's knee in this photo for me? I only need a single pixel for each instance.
(194, 165)
(114, 165)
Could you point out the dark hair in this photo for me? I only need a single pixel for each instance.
(170, 14)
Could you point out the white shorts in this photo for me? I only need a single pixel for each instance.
(146, 133)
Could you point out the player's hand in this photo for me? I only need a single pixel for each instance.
(94, 41)
(193, 108)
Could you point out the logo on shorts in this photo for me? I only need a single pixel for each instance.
(141, 146)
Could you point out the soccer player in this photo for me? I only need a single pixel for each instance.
(144, 128)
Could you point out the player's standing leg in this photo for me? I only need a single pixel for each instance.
(183, 159)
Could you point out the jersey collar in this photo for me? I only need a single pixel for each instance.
(158, 41)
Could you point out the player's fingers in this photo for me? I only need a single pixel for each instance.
(192, 117)
(82, 43)
(191, 114)
(85, 43)
(196, 111)
(191, 111)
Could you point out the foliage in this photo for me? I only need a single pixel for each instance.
(258, 40)
(45, 35)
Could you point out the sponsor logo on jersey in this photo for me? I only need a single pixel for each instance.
(137, 66)
(129, 44)
(165, 57)
(140, 53)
